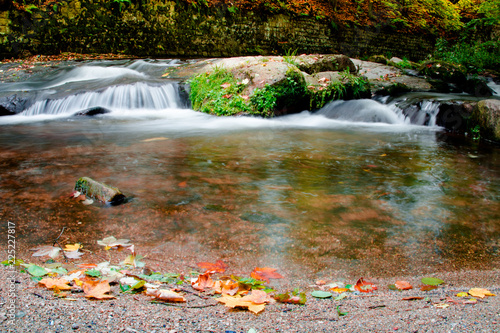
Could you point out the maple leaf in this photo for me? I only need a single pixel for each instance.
(51, 283)
(237, 301)
(203, 281)
(73, 254)
(227, 287)
(480, 292)
(403, 285)
(217, 267)
(97, 289)
(46, 250)
(111, 242)
(365, 287)
(165, 295)
(259, 297)
(265, 273)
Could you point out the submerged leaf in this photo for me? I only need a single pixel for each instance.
(403, 285)
(51, 283)
(218, 267)
(364, 286)
(97, 289)
(480, 292)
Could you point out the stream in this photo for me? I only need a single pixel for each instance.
(354, 189)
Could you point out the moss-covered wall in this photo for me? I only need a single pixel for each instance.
(172, 29)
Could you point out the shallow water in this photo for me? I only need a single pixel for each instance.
(298, 193)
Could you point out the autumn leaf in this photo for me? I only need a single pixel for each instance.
(73, 254)
(339, 290)
(72, 247)
(203, 281)
(165, 295)
(112, 242)
(294, 298)
(428, 288)
(365, 287)
(480, 292)
(432, 281)
(227, 287)
(217, 267)
(51, 283)
(462, 294)
(97, 289)
(321, 294)
(403, 285)
(259, 297)
(412, 298)
(46, 250)
(265, 274)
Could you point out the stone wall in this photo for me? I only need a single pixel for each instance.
(159, 28)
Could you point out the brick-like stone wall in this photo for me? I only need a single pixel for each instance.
(161, 28)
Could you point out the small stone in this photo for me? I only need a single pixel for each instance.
(75, 326)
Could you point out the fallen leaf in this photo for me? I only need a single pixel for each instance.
(46, 250)
(112, 242)
(265, 273)
(237, 301)
(480, 292)
(228, 287)
(365, 287)
(97, 289)
(427, 288)
(462, 294)
(259, 297)
(470, 301)
(225, 85)
(432, 281)
(339, 290)
(182, 184)
(412, 298)
(87, 266)
(72, 247)
(217, 267)
(51, 283)
(37, 271)
(320, 282)
(73, 254)
(321, 294)
(300, 298)
(441, 305)
(165, 295)
(202, 282)
(403, 285)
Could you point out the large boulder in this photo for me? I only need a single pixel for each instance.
(316, 63)
(487, 115)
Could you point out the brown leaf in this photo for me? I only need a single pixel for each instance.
(218, 267)
(237, 301)
(182, 184)
(265, 273)
(51, 283)
(412, 298)
(259, 297)
(227, 287)
(403, 285)
(427, 288)
(165, 295)
(97, 289)
(204, 281)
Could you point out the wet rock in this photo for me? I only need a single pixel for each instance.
(445, 77)
(380, 59)
(312, 64)
(477, 87)
(99, 191)
(454, 116)
(12, 105)
(486, 114)
(93, 111)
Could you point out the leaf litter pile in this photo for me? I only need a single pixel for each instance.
(211, 285)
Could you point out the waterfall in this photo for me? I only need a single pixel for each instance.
(133, 96)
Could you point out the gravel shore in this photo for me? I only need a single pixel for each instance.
(37, 310)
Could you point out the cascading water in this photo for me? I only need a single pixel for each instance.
(134, 96)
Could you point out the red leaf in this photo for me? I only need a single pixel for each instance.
(203, 281)
(365, 287)
(403, 285)
(265, 273)
(227, 96)
(218, 267)
(427, 288)
(412, 298)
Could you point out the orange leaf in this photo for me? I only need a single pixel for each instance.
(51, 283)
(259, 297)
(218, 267)
(203, 281)
(165, 295)
(182, 184)
(265, 273)
(97, 289)
(412, 298)
(403, 285)
(427, 288)
(87, 266)
(365, 287)
(227, 287)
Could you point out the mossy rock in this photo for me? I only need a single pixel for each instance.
(380, 59)
(486, 114)
(312, 64)
(394, 89)
(445, 72)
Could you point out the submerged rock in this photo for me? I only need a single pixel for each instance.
(93, 111)
(99, 191)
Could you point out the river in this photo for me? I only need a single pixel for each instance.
(334, 192)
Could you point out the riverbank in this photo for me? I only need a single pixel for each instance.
(37, 310)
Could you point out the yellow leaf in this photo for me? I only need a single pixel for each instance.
(97, 289)
(236, 301)
(51, 283)
(339, 290)
(462, 294)
(480, 292)
(72, 247)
